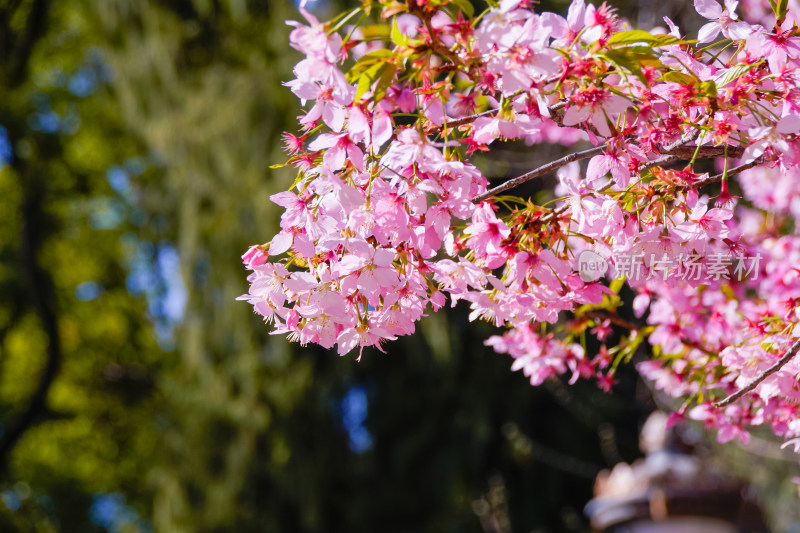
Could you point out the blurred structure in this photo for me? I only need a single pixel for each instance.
(671, 490)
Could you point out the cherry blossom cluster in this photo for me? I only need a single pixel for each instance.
(684, 146)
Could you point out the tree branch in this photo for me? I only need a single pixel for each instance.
(660, 162)
(469, 119)
(489, 112)
(672, 155)
(790, 353)
(41, 292)
(687, 151)
(718, 177)
(544, 169)
(615, 319)
(26, 40)
(435, 45)
(554, 214)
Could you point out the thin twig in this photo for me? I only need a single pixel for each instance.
(471, 118)
(689, 138)
(672, 155)
(790, 353)
(42, 297)
(718, 177)
(679, 152)
(660, 162)
(544, 169)
(614, 319)
(688, 151)
(435, 45)
(543, 83)
(554, 214)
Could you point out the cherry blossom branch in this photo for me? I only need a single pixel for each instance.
(618, 321)
(614, 319)
(469, 119)
(554, 116)
(435, 45)
(660, 162)
(542, 170)
(718, 177)
(554, 214)
(673, 154)
(682, 152)
(649, 129)
(689, 151)
(790, 353)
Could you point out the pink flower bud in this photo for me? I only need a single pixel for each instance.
(254, 257)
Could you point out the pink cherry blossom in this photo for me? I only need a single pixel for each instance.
(722, 20)
(389, 217)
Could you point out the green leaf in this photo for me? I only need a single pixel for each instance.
(366, 62)
(343, 18)
(379, 72)
(643, 54)
(368, 77)
(375, 32)
(466, 7)
(628, 60)
(397, 36)
(708, 88)
(641, 36)
(732, 74)
(780, 8)
(616, 285)
(774, 7)
(385, 81)
(297, 180)
(678, 77)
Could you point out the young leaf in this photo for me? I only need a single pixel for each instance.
(774, 7)
(641, 36)
(397, 36)
(779, 7)
(377, 72)
(385, 80)
(732, 74)
(708, 88)
(342, 19)
(366, 62)
(632, 59)
(678, 77)
(466, 7)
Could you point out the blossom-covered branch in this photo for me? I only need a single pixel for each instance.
(780, 363)
(540, 171)
(390, 219)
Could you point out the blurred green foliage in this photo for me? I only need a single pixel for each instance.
(137, 395)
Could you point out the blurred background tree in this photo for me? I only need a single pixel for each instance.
(137, 395)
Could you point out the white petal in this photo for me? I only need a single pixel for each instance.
(708, 32)
(710, 9)
(280, 243)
